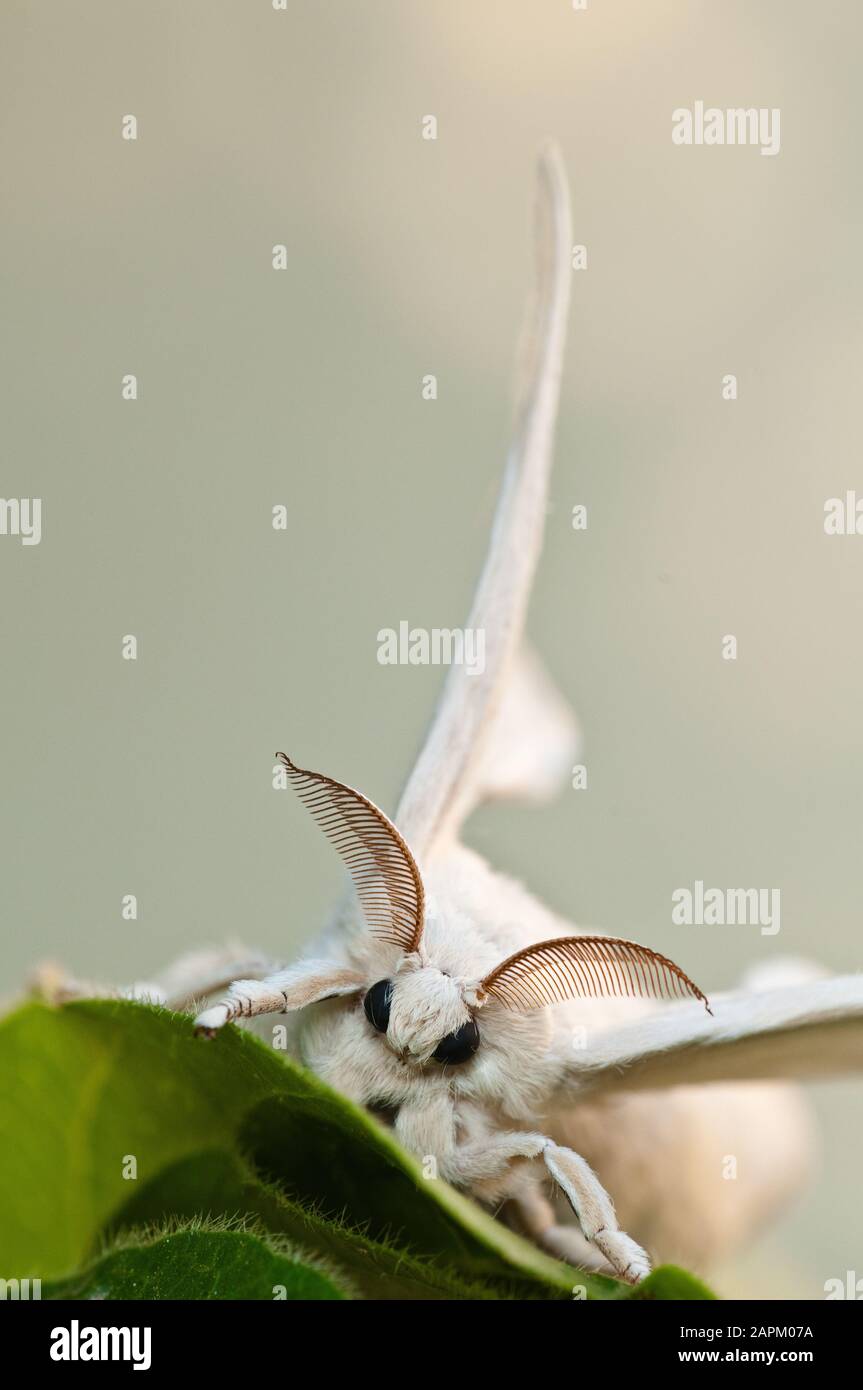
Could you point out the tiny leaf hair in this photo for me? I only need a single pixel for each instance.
(572, 966)
(382, 868)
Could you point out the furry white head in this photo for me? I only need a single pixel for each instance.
(425, 1013)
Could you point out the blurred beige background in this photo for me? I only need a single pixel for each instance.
(303, 387)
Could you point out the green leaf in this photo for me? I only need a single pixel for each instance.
(380, 1269)
(87, 1088)
(114, 1113)
(671, 1284)
(202, 1262)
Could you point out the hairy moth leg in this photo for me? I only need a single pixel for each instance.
(431, 1130)
(595, 1211)
(280, 993)
(535, 1217)
(192, 977)
(54, 984)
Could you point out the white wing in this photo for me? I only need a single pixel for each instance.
(804, 1031)
(530, 744)
(452, 771)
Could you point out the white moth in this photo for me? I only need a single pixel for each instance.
(522, 1055)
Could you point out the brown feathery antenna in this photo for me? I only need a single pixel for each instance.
(571, 966)
(382, 868)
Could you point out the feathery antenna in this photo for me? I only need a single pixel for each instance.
(573, 966)
(382, 868)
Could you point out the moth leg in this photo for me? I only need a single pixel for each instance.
(595, 1211)
(483, 1160)
(55, 985)
(202, 973)
(536, 1218)
(475, 1163)
(194, 976)
(279, 993)
(244, 999)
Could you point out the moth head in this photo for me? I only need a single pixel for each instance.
(422, 1014)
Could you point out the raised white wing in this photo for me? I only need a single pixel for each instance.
(452, 771)
(530, 746)
(803, 1031)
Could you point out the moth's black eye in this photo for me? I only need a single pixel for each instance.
(458, 1046)
(377, 1005)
